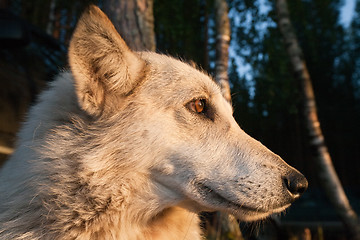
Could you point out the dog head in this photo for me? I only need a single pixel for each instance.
(173, 119)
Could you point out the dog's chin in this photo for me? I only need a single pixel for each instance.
(254, 215)
(210, 200)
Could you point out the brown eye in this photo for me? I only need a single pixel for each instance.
(197, 105)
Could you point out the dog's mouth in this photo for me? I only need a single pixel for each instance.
(216, 201)
(208, 198)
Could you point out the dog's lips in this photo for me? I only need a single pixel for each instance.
(215, 200)
(210, 195)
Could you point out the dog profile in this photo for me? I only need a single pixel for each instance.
(133, 145)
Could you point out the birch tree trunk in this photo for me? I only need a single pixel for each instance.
(222, 47)
(134, 19)
(50, 24)
(227, 226)
(327, 174)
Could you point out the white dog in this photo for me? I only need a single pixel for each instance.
(132, 145)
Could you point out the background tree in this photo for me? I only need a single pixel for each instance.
(222, 47)
(355, 37)
(327, 174)
(134, 20)
(181, 29)
(228, 227)
(274, 97)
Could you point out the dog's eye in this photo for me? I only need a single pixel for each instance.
(197, 105)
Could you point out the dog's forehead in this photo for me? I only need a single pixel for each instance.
(172, 76)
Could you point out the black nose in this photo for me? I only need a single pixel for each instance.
(296, 183)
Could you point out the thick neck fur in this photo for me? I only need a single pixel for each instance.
(131, 216)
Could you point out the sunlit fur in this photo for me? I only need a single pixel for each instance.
(112, 151)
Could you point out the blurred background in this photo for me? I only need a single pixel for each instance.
(265, 92)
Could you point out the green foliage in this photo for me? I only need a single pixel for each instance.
(65, 14)
(274, 99)
(354, 52)
(331, 60)
(181, 28)
(332, 55)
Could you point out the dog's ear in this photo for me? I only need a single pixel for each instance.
(103, 66)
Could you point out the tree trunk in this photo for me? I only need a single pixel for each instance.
(206, 37)
(134, 19)
(57, 25)
(222, 47)
(228, 227)
(327, 174)
(4, 4)
(51, 20)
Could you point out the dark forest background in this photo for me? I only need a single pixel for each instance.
(265, 94)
